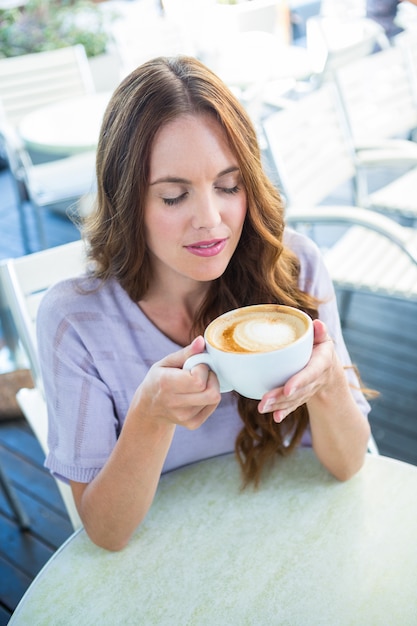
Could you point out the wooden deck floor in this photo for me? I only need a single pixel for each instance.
(22, 554)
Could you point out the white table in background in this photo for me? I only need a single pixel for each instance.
(65, 127)
(302, 550)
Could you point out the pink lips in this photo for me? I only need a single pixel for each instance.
(207, 248)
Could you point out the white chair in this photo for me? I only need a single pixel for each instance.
(407, 17)
(24, 281)
(308, 147)
(407, 42)
(56, 185)
(30, 81)
(377, 96)
(396, 198)
(335, 41)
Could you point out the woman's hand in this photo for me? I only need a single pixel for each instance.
(118, 498)
(301, 387)
(339, 430)
(174, 395)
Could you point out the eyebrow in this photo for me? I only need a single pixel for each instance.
(176, 179)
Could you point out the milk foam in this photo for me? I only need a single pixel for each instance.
(260, 331)
(254, 335)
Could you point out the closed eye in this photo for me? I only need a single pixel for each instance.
(174, 201)
(230, 190)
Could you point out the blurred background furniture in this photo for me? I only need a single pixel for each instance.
(407, 16)
(55, 185)
(396, 197)
(15, 504)
(309, 149)
(27, 83)
(68, 126)
(142, 32)
(377, 97)
(260, 68)
(336, 41)
(407, 41)
(30, 81)
(24, 281)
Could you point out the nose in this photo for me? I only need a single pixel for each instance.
(206, 213)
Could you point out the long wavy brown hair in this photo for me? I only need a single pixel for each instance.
(262, 269)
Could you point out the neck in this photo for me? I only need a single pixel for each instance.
(173, 310)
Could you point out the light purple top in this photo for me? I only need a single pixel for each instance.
(95, 349)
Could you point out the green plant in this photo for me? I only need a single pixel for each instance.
(42, 25)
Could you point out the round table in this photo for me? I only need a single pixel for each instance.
(65, 127)
(303, 549)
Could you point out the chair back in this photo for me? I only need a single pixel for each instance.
(24, 281)
(407, 42)
(377, 97)
(309, 147)
(333, 41)
(33, 80)
(18, 158)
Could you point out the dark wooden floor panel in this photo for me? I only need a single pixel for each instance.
(23, 553)
(381, 335)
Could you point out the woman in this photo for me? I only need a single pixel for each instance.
(187, 226)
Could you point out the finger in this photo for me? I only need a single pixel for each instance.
(177, 359)
(199, 375)
(321, 334)
(199, 418)
(198, 407)
(203, 389)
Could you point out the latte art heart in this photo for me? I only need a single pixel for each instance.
(261, 328)
(258, 336)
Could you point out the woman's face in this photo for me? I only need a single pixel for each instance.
(196, 204)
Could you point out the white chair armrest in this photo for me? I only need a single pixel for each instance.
(387, 153)
(405, 238)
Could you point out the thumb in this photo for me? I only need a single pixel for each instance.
(177, 359)
(320, 332)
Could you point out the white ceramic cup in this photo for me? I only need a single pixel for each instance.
(277, 343)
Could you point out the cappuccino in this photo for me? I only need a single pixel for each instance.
(258, 328)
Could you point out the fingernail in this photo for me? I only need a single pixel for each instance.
(268, 405)
(279, 416)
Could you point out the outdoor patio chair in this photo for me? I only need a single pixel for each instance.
(380, 110)
(319, 128)
(335, 41)
(407, 42)
(15, 504)
(56, 185)
(310, 152)
(377, 97)
(24, 281)
(33, 80)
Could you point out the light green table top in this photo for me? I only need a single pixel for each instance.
(68, 126)
(303, 550)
